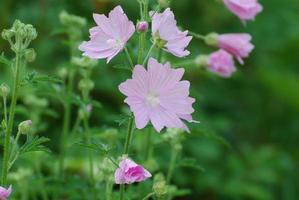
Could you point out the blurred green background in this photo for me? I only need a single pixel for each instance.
(248, 139)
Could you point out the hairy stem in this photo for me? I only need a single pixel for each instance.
(196, 35)
(174, 154)
(129, 58)
(148, 54)
(126, 150)
(90, 157)
(18, 65)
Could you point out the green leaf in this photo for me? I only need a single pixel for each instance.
(122, 119)
(35, 144)
(191, 163)
(122, 67)
(4, 60)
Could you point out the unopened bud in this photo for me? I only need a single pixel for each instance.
(7, 34)
(84, 62)
(142, 26)
(4, 90)
(202, 61)
(160, 187)
(62, 72)
(30, 55)
(212, 39)
(71, 20)
(25, 126)
(164, 3)
(86, 85)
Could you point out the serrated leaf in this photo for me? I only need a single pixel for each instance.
(96, 146)
(35, 144)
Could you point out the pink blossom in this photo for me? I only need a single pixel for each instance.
(221, 63)
(237, 44)
(129, 172)
(110, 35)
(167, 34)
(244, 9)
(158, 95)
(5, 193)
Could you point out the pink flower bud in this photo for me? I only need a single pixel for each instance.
(221, 63)
(129, 172)
(237, 44)
(142, 26)
(5, 193)
(244, 9)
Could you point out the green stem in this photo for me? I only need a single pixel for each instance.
(122, 192)
(148, 196)
(66, 120)
(129, 135)
(109, 189)
(5, 110)
(196, 35)
(141, 47)
(185, 63)
(12, 152)
(171, 167)
(91, 171)
(148, 144)
(126, 150)
(18, 65)
(148, 54)
(129, 58)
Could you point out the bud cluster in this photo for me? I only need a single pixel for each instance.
(20, 36)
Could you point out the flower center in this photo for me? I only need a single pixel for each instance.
(115, 43)
(152, 99)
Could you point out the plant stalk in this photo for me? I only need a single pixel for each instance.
(18, 65)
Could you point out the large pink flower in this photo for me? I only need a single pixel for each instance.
(237, 44)
(5, 193)
(158, 95)
(110, 35)
(221, 63)
(244, 9)
(165, 31)
(129, 172)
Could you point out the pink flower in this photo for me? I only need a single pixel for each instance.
(5, 193)
(167, 34)
(244, 9)
(221, 63)
(237, 44)
(158, 95)
(110, 35)
(129, 172)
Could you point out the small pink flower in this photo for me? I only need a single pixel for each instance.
(244, 9)
(129, 172)
(110, 35)
(221, 63)
(142, 26)
(237, 44)
(158, 95)
(5, 193)
(164, 30)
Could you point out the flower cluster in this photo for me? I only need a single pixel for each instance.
(156, 93)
